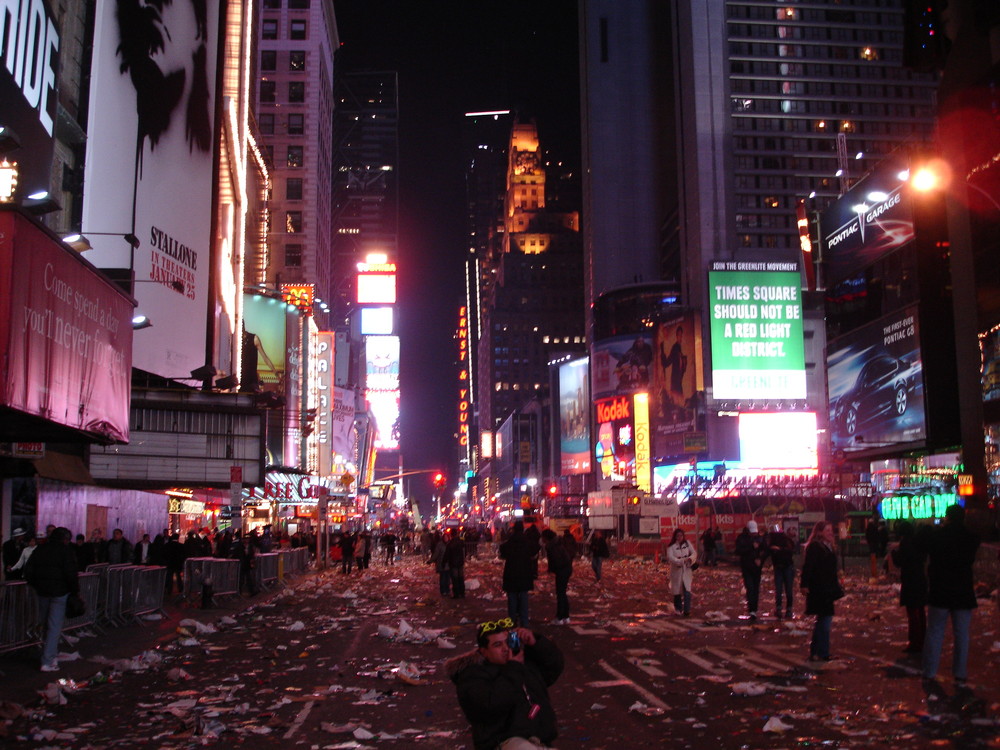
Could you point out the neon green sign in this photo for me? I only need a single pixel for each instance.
(928, 505)
(757, 331)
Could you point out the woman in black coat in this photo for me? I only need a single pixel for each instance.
(520, 566)
(821, 587)
(911, 560)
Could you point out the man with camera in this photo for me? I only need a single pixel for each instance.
(503, 687)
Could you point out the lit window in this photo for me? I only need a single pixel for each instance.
(771, 202)
(293, 222)
(297, 60)
(847, 126)
(821, 125)
(294, 158)
(868, 53)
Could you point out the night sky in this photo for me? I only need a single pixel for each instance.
(452, 58)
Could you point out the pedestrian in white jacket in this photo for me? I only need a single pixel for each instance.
(683, 558)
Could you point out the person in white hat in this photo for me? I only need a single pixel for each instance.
(11, 552)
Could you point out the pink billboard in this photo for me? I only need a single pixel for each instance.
(65, 334)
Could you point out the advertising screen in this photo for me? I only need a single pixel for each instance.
(65, 335)
(342, 432)
(990, 345)
(376, 321)
(382, 363)
(677, 380)
(574, 426)
(876, 384)
(615, 449)
(385, 406)
(149, 168)
(29, 41)
(376, 288)
(264, 320)
(781, 440)
(756, 327)
(871, 220)
(622, 364)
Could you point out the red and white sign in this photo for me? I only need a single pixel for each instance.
(65, 334)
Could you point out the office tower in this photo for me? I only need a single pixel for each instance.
(532, 309)
(365, 180)
(734, 112)
(295, 117)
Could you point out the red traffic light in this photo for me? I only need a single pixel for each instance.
(553, 490)
(439, 480)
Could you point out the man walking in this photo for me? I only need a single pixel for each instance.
(781, 550)
(951, 551)
(750, 549)
(51, 572)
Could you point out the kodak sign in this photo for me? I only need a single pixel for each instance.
(613, 409)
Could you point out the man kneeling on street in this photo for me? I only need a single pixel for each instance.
(503, 687)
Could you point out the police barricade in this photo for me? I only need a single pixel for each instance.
(266, 569)
(151, 581)
(293, 561)
(221, 574)
(89, 589)
(120, 594)
(18, 616)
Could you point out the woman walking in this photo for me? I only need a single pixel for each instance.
(683, 557)
(821, 587)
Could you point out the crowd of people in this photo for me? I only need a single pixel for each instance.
(502, 685)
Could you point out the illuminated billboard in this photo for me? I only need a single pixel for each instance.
(872, 220)
(384, 405)
(781, 440)
(615, 448)
(382, 363)
(876, 384)
(264, 321)
(622, 364)
(149, 168)
(29, 37)
(376, 288)
(376, 321)
(574, 422)
(676, 383)
(755, 311)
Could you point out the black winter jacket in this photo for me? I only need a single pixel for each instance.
(520, 556)
(497, 699)
(51, 570)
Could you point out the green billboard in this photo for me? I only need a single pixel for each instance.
(755, 311)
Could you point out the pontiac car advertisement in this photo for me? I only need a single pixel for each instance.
(870, 221)
(876, 385)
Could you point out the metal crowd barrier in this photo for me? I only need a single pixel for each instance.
(18, 614)
(151, 582)
(222, 574)
(293, 561)
(266, 570)
(89, 589)
(121, 587)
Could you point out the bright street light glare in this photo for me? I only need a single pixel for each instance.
(924, 179)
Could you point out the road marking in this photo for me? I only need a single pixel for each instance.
(299, 720)
(647, 665)
(651, 699)
(588, 631)
(692, 657)
(745, 660)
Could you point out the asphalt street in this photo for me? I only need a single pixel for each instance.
(333, 661)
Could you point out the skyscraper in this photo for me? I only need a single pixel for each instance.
(295, 118)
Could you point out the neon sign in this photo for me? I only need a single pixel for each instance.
(928, 505)
(463, 377)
